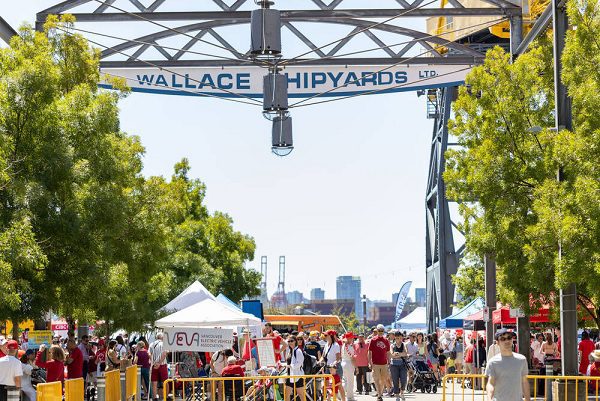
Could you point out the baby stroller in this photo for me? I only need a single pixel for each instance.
(422, 378)
(314, 386)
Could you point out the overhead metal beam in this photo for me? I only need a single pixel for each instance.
(290, 15)
(501, 3)
(539, 27)
(364, 24)
(6, 31)
(458, 60)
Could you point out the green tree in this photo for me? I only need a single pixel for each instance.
(82, 231)
(508, 167)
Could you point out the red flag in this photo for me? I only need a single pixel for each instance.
(248, 345)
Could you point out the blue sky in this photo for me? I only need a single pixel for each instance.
(349, 200)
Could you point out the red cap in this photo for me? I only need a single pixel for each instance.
(349, 335)
(12, 344)
(331, 333)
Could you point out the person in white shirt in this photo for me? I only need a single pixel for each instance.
(294, 385)
(493, 350)
(29, 392)
(348, 356)
(538, 355)
(11, 370)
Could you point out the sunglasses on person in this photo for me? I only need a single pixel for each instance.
(291, 341)
(505, 338)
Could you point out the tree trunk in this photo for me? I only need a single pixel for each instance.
(581, 298)
(15, 330)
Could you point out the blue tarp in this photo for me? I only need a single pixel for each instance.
(456, 321)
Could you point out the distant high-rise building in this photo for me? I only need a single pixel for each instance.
(348, 287)
(294, 297)
(317, 294)
(420, 296)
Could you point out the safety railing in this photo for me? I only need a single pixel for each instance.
(74, 390)
(113, 385)
(131, 382)
(253, 388)
(472, 387)
(49, 391)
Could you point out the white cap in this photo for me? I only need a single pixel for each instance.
(380, 327)
(232, 359)
(2, 340)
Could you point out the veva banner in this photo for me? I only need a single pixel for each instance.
(302, 81)
(192, 339)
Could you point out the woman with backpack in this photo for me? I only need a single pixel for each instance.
(294, 363)
(433, 352)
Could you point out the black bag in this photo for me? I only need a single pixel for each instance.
(310, 363)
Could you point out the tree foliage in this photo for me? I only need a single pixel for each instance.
(507, 167)
(82, 231)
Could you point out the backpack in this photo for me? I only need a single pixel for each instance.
(309, 363)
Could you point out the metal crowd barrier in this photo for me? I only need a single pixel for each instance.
(251, 388)
(471, 387)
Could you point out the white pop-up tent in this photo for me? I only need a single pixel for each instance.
(195, 293)
(208, 313)
(416, 320)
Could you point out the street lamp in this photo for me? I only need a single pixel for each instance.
(364, 306)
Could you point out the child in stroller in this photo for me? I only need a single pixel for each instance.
(422, 378)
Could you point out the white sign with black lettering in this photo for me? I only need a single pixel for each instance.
(266, 352)
(197, 339)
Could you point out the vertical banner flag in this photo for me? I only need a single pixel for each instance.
(402, 295)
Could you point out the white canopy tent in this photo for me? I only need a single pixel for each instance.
(209, 313)
(416, 320)
(195, 293)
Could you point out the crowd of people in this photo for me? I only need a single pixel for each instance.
(378, 362)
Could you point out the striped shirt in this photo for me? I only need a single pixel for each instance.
(156, 351)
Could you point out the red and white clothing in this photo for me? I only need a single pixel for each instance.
(348, 355)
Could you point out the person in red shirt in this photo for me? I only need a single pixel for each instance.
(100, 357)
(269, 333)
(586, 347)
(232, 369)
(594, 371)
(55, 367)
(337, 384)
(75, 360)
(379, 357)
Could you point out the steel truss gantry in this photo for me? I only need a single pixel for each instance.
(213, 16)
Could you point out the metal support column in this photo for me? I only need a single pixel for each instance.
(516, 34)
(563, 120)
(523, 333)
(441, 258)
(489, 266)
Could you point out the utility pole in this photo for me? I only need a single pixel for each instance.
(489, 265)
(563, 120)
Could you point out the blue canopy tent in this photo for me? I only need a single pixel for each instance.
(228, 302)
(455, 321)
